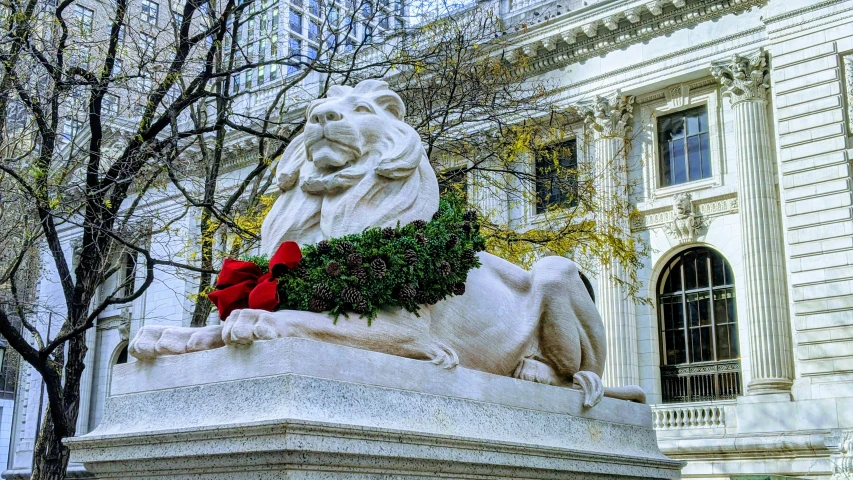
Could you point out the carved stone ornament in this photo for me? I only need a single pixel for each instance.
(848, 76)
(743, 77)
(685, 222)
(840, 445)
(358, 165)
(124, 324)
(610, 115)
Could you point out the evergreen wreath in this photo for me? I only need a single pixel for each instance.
(407, 266)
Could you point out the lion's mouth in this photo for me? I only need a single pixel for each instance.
(331, 156)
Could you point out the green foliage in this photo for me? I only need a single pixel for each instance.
(424, 263)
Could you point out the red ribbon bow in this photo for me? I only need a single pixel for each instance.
(241, 284)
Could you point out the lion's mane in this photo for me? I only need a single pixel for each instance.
(391, 182)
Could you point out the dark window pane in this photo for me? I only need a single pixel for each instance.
(703, 119)
(706, 155)
(704, 302)
(675, 277)
(665, 165)
(694, 158)
(718, 271)
(721, 307)
(702, 269)
(693, 318)
(733, 336)
(692, 123)
(678, 161)
(556, 176)
(690, 271)
(673, 316)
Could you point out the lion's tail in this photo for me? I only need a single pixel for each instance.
(632, 393)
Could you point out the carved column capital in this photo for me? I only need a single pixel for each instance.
(609, 115)
(743, 77)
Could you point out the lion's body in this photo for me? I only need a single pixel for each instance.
(359, 165)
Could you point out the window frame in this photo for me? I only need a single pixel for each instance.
(146, 8)
(450, 178)
(685, 140)
(538, 207)
(726, 375)
(85, 18)
(674, 99)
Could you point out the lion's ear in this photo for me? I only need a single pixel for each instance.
(392, 103)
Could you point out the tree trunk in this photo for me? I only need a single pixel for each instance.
(50, 456)
(203, 306)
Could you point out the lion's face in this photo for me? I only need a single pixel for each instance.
(343, 130)
(338, 129)
(356, 165)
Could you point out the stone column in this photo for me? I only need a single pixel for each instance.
(609, 118)
(86, 381)
(745, 80)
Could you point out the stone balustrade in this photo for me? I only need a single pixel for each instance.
(691, 415)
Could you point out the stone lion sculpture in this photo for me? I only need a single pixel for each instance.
(359, 165)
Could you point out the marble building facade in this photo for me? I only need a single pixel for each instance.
(735, 119)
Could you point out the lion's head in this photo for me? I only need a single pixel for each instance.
(356, 165)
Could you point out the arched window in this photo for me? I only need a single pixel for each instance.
(588, 286)
(122, 355)
(700, 356)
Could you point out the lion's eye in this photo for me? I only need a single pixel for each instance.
(363, 109)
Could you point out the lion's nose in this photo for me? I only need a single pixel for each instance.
(324, 116)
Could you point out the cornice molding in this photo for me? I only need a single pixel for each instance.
(573, 38)
(800, 11)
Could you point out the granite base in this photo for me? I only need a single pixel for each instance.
(299, 409)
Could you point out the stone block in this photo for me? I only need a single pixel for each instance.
(799, 56)
(812, 107)
(300, 409)
(807, 67)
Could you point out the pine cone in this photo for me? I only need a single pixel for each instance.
(445, 269)
(470, 215)
(468, 255)
(389, 232)
(344, 248)
(419, 224)
(466, 227)
(323, 292)
(333, 268)
(436, 215)
(411, 257)
(303, 273)
(317, 305)
(361, 275)
(378, 267)
(427, 298)
(407, 293)
(459, 288)
(452, 241)
(361, 306)
(324, 247)
(354, 260)
(352, 296)
(421, 238)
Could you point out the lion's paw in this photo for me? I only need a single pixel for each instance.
(244, 327)
(535, 371)
(153, 341)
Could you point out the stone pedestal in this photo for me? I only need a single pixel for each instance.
(298, 409)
